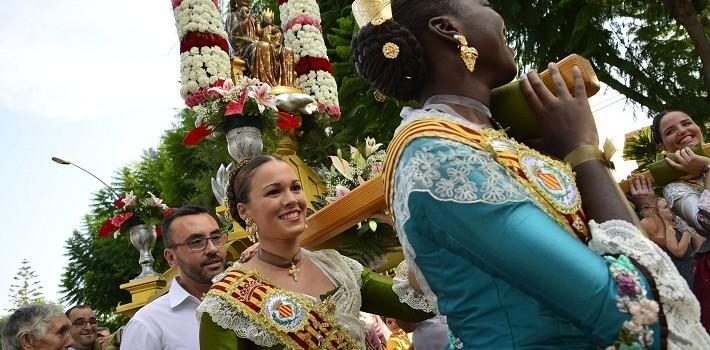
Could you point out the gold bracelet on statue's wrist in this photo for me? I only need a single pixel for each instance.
(585, 153)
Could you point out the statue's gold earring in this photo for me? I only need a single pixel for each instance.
(468, 54)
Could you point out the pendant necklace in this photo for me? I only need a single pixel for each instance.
(278, 261)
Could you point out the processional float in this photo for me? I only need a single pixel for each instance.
(244, 74)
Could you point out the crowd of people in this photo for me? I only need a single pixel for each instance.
(47, 326)
(506, 246)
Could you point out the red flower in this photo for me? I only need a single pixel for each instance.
(195, 99)
(177, 3)
(200, 39)
(158, 231)
(111, 225)
(309, 63)
(288, 121)
(120, 219)
(168, 212)
(107, 228)
(197, 134)
(235, 108)
(119, 203)
(198, 97)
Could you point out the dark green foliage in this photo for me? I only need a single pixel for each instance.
(636, 47)
(641, 148)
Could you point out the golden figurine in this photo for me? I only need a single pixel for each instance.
(260, 45)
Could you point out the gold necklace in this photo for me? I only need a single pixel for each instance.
(278, 261)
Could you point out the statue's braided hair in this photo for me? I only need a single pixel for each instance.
(402, 77)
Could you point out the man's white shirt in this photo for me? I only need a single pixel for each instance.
(169, 322)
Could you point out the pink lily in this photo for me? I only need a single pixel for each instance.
(264, 98)
(227, 88)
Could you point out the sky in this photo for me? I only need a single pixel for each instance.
(97, 83)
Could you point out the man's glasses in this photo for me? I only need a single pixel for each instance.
(80, 322)
(199, 244)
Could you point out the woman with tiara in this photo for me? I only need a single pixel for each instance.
(286, 297)
(498, 235)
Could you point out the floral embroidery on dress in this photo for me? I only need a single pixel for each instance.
(680, 308)
(631, 299)
(454, 342)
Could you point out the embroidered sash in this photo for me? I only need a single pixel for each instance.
(550, 183)
(298, 322)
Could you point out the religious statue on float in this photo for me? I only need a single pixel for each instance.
(260, 45)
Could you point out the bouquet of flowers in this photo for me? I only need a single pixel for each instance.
(344, 175)
(129, 211)
(367, 242)
(248, 102)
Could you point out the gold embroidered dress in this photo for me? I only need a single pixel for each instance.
(243, 310)
(494, 234)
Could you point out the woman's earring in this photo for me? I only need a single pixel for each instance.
(468, 54)
(252, 230)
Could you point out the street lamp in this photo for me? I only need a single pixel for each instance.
(66, 162)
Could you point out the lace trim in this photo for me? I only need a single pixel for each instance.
(406, 292)
(347, 274)
(410, 115)
(425, 169)
(681, 309)
(228, 317)
(675, 191)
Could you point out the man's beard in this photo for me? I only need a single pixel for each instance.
(197, 274)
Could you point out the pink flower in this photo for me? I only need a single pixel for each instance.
(226, 89)
(264, 98)
(378, 168)
(129, 200)
(340, 192)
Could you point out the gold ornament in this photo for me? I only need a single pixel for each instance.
(379, 96)
(390, 50)
(227, 209)
(377, 21)
(267, 13)
(375, 11)
(468, 54)
(252, 230)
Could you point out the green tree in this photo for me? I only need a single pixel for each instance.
(26, 288)
(649, 51)
(3, 320)
(640, 147)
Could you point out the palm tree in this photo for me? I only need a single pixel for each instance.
(639, 146)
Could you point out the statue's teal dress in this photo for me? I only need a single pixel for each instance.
(506, 274)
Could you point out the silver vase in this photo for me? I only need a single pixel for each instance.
(244, 142)
(143, 238)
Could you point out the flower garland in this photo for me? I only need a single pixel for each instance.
(303, 33)
(129, 211)
(204, 58)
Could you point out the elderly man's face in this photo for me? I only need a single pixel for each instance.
(57, 337)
